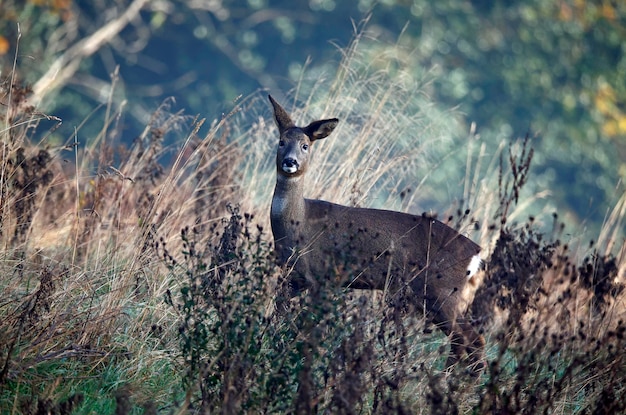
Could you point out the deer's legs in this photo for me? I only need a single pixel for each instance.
(465, 343)
(473, 346)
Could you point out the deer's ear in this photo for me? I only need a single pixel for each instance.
(320, 129)
(283, 120)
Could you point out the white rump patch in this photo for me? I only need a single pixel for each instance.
(475, 264)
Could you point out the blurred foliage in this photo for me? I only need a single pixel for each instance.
(556, 68)
(553, 68)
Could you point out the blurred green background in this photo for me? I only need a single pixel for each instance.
(552, 68)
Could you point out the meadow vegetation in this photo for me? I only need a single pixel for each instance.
(137, 283)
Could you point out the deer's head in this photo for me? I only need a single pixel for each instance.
(294, 143)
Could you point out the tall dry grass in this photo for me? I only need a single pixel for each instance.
(128, 280)
(81, 282)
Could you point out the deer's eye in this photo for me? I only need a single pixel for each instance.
(305, 147)
(281, 143)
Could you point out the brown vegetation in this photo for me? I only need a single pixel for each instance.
(128, 278)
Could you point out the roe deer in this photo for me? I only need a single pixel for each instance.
(368, 248)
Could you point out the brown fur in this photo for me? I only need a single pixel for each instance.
(406, 255)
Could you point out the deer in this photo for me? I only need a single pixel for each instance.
(363, 248)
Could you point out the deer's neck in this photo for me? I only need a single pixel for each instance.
(288, 201)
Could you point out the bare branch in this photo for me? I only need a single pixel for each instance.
(67, 64)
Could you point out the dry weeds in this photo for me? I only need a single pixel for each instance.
(151, 278)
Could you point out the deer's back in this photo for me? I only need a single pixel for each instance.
(373, 248)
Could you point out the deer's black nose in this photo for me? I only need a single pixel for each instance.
(290, 165)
